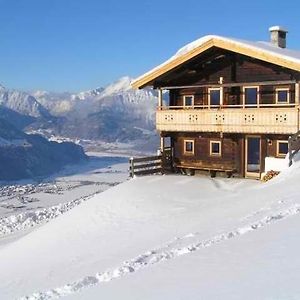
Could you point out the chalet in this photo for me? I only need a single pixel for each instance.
(232, 106)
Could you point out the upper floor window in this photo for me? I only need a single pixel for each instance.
(188, 146)
(282, 148)
(188, 100)
(215, 148)
(251, 95)
(282, 95)
(214, 96)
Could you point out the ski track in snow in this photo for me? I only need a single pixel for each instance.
(167, 252)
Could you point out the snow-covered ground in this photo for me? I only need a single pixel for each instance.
(164, 237)
(28, 203)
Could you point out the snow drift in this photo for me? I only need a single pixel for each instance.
(146, 221)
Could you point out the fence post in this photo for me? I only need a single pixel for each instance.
(131, 167)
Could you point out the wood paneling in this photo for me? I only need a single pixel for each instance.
(201, 159)
(272, 144)
(234, 120)
(216, 63)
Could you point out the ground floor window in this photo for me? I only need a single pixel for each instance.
(215, 148)
(188, 146)
(282, 148)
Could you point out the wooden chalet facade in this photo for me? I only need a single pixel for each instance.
(232, 104)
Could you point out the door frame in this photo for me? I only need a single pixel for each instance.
(252, 174)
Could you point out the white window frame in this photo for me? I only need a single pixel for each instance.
(288, 95)
(193, 100)
(210, 148)
(244, 94)
(277, 148)
(184, 147)
(221, 95)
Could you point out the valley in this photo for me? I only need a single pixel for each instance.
(26, 204)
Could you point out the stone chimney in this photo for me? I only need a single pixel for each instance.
(278, 36)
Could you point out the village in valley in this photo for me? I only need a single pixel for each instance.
(179, 181)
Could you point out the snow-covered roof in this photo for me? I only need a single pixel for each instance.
(260, 50)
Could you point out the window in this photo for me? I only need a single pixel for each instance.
(214, 96)
(282, 95)
(282, 148)
(188, 100)
(215, 148)
(251, 95)
(188, 146)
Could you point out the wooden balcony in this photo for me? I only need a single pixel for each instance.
(267, 119)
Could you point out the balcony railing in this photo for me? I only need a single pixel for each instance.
(254, 119)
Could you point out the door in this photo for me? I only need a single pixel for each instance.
(252, 156)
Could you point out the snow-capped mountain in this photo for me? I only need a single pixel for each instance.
(22, 103)
(120, 86)
(88, 94)
(116, 94)
(114, 113)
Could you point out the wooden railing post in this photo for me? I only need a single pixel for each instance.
(298, 118)
(131, 167)
(297, 93)
(297, 102)
(162, 144)
(160, 99)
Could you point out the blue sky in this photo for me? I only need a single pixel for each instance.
(74, 45)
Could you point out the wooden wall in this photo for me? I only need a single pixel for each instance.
(208, 67)
(232, 96)
(201, 159)
(234, 68)
(271, 144)
(233, 151)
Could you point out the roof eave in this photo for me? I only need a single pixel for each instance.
(148, 78)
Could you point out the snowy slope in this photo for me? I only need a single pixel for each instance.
(155, 230)
(260, 265)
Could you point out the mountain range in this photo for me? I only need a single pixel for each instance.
(114, 114)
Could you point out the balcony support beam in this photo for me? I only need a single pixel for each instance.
(297, 93)
(160, 98)
(162, 144)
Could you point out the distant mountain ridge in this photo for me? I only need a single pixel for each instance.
(113, 113)
(30, 156)
(22, 103)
